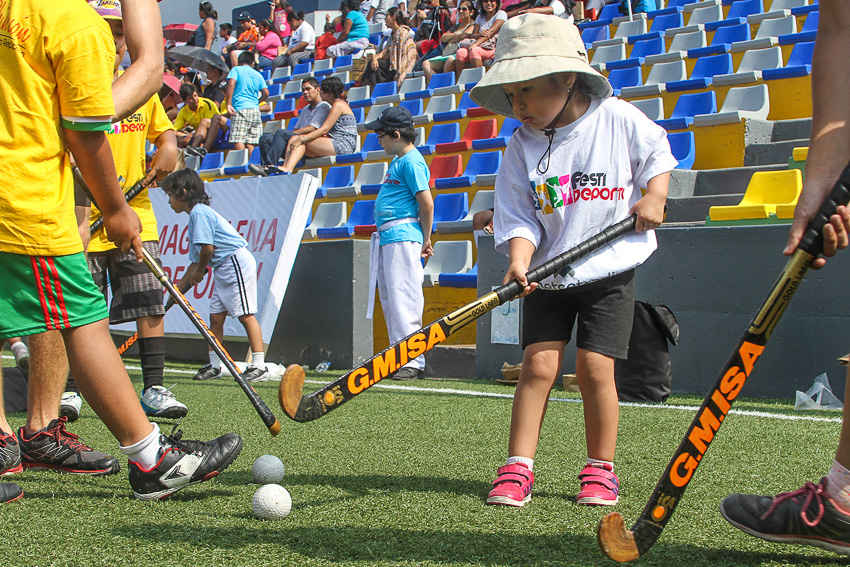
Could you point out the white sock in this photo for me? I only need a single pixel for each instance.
(601, 464)
(146, 452)
(258, 359)
(838, 486)
(521, 461)
(214, 359)
(19, 349)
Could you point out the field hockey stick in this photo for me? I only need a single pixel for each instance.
(313, 406)
(131, 193)
(131, 340)
(626, 545)
(262, 409)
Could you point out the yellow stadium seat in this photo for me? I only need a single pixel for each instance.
(766, 191)
(800, 154)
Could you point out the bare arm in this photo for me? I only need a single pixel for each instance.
(264, 94)
(520, 252)
(346, 27)
(143, 33)
(333, 115)
(165, 159)
(426, 220)
(228, 93)
(650, 209)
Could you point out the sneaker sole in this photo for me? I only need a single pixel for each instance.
(171, 413)
(163, 494)
(594, 501)
(56, 468)
(13, 470)
(505, 501)
(70, 413)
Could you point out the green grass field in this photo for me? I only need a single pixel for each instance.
(398, 477)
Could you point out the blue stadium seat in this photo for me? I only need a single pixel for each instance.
(275, 90)
(416, 106)
(619, 78)
(462, 111)
(343, 63)
(437, 80)
(302, 70)
(266, 73)
(254, 159)
(641, 50)
(808, 33)
(684, 148)
(370, 144)
(609, 12)
(468, 279)
(362, 213)
(662, 21)
(501, 140)
(704, 70)
(595, 33)
(799, 63)
(480, 163)
(285, 109)
(359, 115)
(211, 165)
(738, 12)
(440, 134)
(688, 106)
(384, 89)
(450, 207)
(337, 176)
(723, 39)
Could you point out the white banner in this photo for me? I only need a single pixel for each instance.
(270, 213)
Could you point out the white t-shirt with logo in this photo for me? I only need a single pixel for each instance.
(305, 32)
(598, 165)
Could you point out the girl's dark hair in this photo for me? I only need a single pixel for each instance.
(330, 28)
(187, 186)
(268, 24)
(226, 26)
(208, 10)
(399, 16)
(187, 90)
(350, 5)
(333, 86)
(481, 10)
(295, 16)
(406, 134)
(473, 11)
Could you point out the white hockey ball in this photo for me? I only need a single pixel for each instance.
(271, 502)
(267, 469)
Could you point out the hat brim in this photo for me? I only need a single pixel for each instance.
(373, 125)
(488, 93)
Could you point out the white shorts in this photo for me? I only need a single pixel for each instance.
(235, 281)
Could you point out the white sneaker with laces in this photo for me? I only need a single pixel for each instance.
(70, 406)
(158, 401)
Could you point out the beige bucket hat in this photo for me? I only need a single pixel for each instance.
(531, 46)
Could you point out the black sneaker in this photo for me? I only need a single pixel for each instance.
(196, 151)
(183, 463)
(10, 455)
(9, 492)
(257, 169)
(54, 448)
(208, 372)
(408, 373)
(807, 516)
(256, 374)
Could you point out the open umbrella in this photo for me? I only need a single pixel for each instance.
(179, 32)
(197, 58)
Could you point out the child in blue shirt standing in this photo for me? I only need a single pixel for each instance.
(214, 242)
(404, 213)
(246, 89)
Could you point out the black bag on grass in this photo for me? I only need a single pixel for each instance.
(15, 389)
(647, 375)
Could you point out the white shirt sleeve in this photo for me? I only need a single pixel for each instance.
(557, 7)
(514, 212)
(649, 149)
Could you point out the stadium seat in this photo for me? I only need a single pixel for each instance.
(358, 97)
(344, 77)
(688, 106)
(679, 47)
(501, 140)
(272, 126)
(752, 64)
(266, 73)
(416, 107)
(436, 105)
(483, 165)
(344, 63)
(328, 215)
(445, 167)
(809, 31)
(778, 9)
(467, 108)
(191, 162)
(594, 33)
(449, 207)
(468, 78)
(440, 134)
(723, 39)
(337, 176)
(384, 89)
(371, 143)
(609, 12)
(275, 90)
(323, 68)
(302, 70)
(292, 89)
(622, 33)
(606, 54)
(740, 102)
(362, 213)
(437, 80)
(657, 79)
(359, 115)
(467, 279)
(449, 257)
(683, 146)
(374, 112)
(281, 75)
(704, 69)
(284, 109)
(640, 51)
(738, 13)
(475, 130)
(234, 158)
(799, 63)
(242, 168)
(620, 78)
(768, 34)
(315, 172)
(410, 85)
(663, 22)
(482, 201)
(697, 19)
(369, 178)
(766, 190)
(652, 107)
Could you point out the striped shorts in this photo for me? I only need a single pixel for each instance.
(44, 293)
(235, 289)
(136, 292)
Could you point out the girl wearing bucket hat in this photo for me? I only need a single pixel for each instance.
(574, 168)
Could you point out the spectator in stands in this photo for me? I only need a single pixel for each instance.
(560, 8)
(817, 513)
(637, 6)
(302, 42)
(434, 19)
(336, 136)
(396, 59)
(193, 120)
(247, 39)
(225, 32)
(324, 41)
(451, 39)
(273, 144)
(171, 68)
(246, 89)
(279, 16)
(355, 30)
(483, 45)
(216, 86)
(375, 11)
(267, 46)
(206, 34)
(597, 5)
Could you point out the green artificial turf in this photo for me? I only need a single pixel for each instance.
(398, 478)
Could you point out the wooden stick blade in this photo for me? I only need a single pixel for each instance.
(291, 389)
(615, 540)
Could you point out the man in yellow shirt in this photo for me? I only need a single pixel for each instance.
(55, 86)
(193, 120)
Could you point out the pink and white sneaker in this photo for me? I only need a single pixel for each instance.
(512, 486)
(599, 486)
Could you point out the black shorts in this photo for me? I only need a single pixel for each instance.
(136, 292)
(604, 309)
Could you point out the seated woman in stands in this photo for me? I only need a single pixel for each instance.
(482, 46)
(268, 45)
(336, 136)
(451, 39)
(397, 58)
(355, 30)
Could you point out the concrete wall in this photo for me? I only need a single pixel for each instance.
(714, 279)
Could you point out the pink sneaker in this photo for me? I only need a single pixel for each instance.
(599, 486)
(512, 486)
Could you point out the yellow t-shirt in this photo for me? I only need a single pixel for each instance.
(56, 62)
(127, 141)
(206, 109)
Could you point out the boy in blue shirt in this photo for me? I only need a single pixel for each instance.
(246, 89)
(214, 242)
(404, 213)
